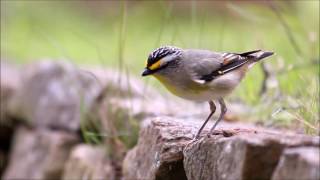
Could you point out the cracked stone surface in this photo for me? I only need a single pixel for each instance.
(244, 155)
(158, 154)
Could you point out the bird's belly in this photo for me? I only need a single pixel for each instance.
(200, 96)
(193, 91)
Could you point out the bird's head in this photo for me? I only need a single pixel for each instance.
(161, 58)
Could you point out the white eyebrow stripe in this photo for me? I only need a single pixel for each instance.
(229, 56)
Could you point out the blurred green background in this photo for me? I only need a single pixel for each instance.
(122, 34)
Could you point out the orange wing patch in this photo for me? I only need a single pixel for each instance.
(226, 61)
(229, 57)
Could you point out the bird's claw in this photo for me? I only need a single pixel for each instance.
(191, 142)
(196, 138)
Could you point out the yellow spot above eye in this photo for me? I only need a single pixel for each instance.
(155, 65)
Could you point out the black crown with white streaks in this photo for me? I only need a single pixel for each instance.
(161, 52)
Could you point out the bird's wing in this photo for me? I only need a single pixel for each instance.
(204, 66)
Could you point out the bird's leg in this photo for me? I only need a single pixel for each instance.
(212, 109)
(223, 108)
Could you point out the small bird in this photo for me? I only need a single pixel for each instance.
(201, 75)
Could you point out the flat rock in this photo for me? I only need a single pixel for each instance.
(236, 157)
(298, 164)
(39, 154)
(239, 154)
(88, 162)
(54, 95)
(165, 150)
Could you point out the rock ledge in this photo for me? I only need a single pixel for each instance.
(166, 151)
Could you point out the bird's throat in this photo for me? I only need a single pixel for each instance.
(166, 82)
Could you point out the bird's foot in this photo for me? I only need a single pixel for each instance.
(214, 132)
(192, 141)
(196, 138)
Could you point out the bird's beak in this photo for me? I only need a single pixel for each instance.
(146, 72)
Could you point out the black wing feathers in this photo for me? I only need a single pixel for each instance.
(224, 69)
(231, 62)
(248, 53)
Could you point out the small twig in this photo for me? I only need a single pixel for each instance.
(301, 120)
(266, 76)
(122, 38)
(269, 80)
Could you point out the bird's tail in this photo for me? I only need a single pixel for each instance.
(257, 55)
